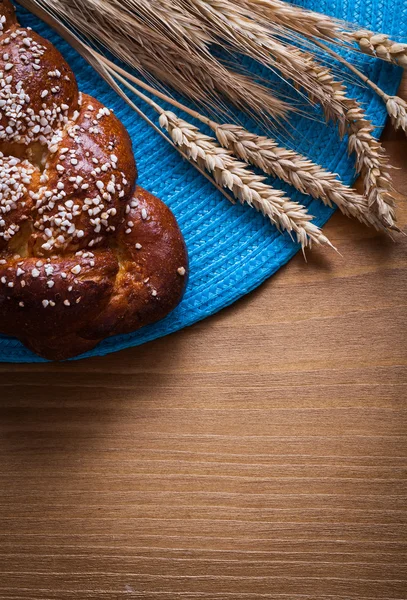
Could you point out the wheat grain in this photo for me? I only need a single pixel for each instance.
(245, 185)
(397, 109)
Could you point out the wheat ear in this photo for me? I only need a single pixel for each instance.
(371, 159)
(380, 45)
(229, 173)
(397, 109)
(245, 185)
(296, 18)
(298, 171)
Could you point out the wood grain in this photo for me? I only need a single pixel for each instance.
(259, 454)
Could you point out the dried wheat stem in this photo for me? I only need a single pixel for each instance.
(245, 185)
(110, 75)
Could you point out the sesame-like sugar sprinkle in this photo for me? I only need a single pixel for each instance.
(15, 176)
(24, 125)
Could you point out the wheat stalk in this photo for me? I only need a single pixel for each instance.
(229, 173)
(205, 154)
(245, 185)
(170, 42)
(233, 26)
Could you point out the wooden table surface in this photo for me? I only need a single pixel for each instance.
(261, 454)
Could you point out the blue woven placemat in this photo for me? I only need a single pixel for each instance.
(232, 249)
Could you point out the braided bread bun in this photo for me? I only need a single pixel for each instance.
(84, 253)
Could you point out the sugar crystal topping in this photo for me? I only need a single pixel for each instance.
(15, 176)
(22, 124)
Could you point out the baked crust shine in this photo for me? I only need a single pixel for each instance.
(84, 252)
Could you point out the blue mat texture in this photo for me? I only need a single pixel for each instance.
(232, 249)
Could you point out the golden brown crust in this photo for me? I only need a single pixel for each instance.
(83, 254)
(153, 266)
(54, 296)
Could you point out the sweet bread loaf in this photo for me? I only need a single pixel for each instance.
(84, 253)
